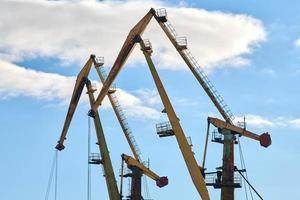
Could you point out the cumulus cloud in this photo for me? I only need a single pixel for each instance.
(20, 81)
(72, 30)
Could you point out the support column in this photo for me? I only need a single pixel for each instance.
(136, 183)
(227, 190)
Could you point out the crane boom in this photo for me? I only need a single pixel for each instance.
(160, 181)
(185, 148)
(129, 44)
(124, 53)
(81, 81)
(120, 116)
(180, 44)
(79, 85)
(264, 139)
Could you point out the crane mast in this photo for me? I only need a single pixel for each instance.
(105, 158)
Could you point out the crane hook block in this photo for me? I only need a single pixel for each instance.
(162, 181)
(59, 147)
(92, 113)
(265, 139)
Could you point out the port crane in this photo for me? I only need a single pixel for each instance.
(134, 163)
(134, 37)
(184, 146)
(180, 43)
(82, 81)
(137, 170)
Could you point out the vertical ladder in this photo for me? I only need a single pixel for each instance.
(181, 45)
(118, 110)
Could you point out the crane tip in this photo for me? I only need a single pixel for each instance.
(265, 139)
(162, 181)
(92, 113)
(59, 147)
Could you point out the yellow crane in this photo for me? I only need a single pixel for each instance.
(161, 181)
(82, 80)
(137, 170)
(98, 63)
(180, 43)
(264, 138)
(134, 164)
(184, 146)
(132, 38)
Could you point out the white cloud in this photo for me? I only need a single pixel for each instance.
(295, 122)
(269, 72)
(297, 42)
(72, 30)
(135, 106)
(259, 121)
(150, 96)
(255, 120)
(19, 81)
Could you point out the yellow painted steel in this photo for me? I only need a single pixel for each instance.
(131, 145)
(131, 161)
(79, 85)
(185, 148)
(110, 179)
(81, 81)
(205, 147)
(223, 125)
(124, 53)
(193, 70)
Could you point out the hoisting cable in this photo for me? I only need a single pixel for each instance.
(54, 169)
(89, 166)
(56, 174)
(122, 178)
(146, 188)
(249, 184)
(243, 165)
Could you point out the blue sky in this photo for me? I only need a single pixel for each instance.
(250, 50)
